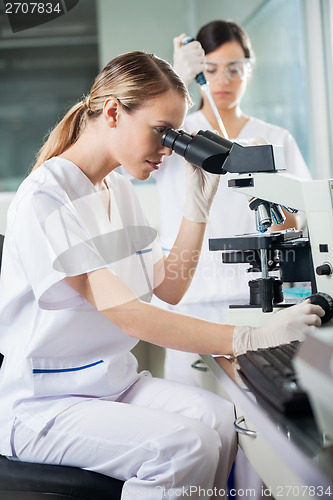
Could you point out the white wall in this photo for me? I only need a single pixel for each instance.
(318, 98)
(150, 25)
(5, 199)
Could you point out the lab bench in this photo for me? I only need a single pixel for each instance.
(287, 452)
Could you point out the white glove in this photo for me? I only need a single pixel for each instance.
(286, 325)
(188, 60)
(201, 188)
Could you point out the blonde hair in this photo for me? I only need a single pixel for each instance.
(133, 78)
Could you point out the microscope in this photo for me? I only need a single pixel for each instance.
(258, 172)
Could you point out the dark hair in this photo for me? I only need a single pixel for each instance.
(216, 33)
(133, 78)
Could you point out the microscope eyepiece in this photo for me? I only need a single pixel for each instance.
(205, 149)
(177, 140)
(218, 155)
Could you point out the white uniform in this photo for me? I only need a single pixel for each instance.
(215, 285)
(68, 371)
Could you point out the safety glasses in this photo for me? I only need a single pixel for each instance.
(233, 69)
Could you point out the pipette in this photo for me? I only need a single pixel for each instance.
(201, 80)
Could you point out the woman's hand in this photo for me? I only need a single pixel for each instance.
(188, 60)
(293, 323)
(201, 188)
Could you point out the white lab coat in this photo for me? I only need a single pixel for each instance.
(67, 369)
(91, 356)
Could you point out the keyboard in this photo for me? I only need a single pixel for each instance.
(270, 375)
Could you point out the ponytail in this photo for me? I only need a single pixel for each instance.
(64, 134)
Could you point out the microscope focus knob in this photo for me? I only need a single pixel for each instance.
(324, 269)
(325, 301)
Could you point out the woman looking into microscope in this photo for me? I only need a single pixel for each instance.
(80, 265)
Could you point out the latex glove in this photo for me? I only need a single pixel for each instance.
(293, 323)
(188, 60)
(201, 188)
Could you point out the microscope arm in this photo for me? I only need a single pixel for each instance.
(314, 197)
(280, 188)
